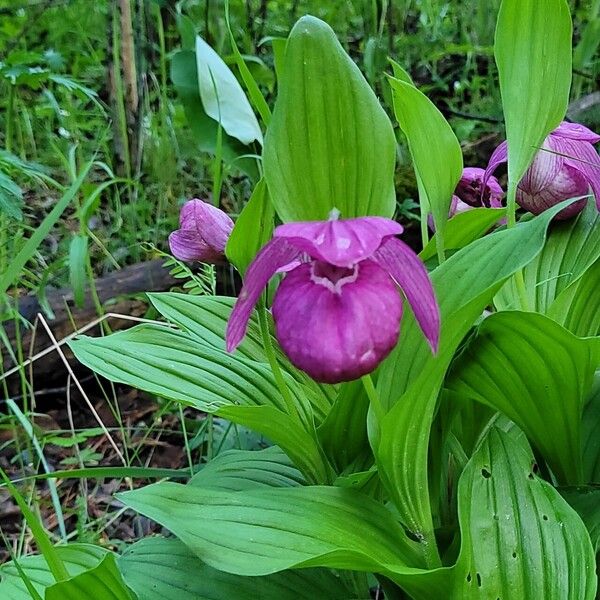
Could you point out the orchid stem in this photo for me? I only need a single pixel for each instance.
(373, 397)
(511, 221)
(270, 352)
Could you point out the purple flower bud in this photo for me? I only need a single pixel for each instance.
(566, 167)
(337, 311)
(471, 192)
(203, 233)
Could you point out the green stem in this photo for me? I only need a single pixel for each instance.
(270, 352)
(511, 221)
(373, 396)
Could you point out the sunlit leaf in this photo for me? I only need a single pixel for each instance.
(329, 144)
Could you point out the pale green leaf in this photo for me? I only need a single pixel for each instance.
(436, 153)
(78, 256)
(223, 97)
(165, 569)
(533, 53)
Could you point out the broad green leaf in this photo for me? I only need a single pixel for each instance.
(174, 365)
(585, 500)
(184, 76)
(409, 380)
(165, 569)
(520, 538)
(298, 441)
(257, 532)
(78, 256)
(77, 559)
(205, 317)
(102, 582)
(578, 307)
(223, 97)
(253, 228)
(464, 228)
(590, 426)
(538, 374)
(343, 434)
(571, 248)
(533, 53)
(436, 153)
(238, 470)
(330, 144)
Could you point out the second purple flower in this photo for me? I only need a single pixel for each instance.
(337, 311)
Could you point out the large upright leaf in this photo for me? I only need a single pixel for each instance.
(538, 374)
(329, 144)
(223, 97)
(165, 569)
(533, 53)
(520, 538)
(571, 248)
(409, 380)
(435, 151)
(590, 426)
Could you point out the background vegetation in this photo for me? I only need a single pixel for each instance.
(101, 140)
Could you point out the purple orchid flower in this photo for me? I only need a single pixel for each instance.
(472, 192)
(337, 311)
(203, 233)
(566, 167)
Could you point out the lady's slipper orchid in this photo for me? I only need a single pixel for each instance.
(337, 311)
(203, 233)
(566, 167)
(472, 192)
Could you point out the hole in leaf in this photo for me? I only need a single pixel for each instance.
(545, 517)
(486, 473)
(531, 476)
(478, 580)
(469, 577)
(535, 468)
(413, 535)
(514, 555)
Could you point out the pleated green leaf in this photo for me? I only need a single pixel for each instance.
(436, 153)
(408, 382)
(539, 375)
(590, 447)
(585, 500)
(165, 569)
(258, 532)
(238, 470)
(329, 144)
(533, 53)
(174, 365)
(520, 538)
(570, 250)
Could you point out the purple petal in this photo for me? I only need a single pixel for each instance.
(187, 245)
(584, 159)
(576, 131)
(274, 255)
(339, 242)
(337, 333)
(211, 223)
(499, 156)
(407, 270)
(472, 190)
(544, 169)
